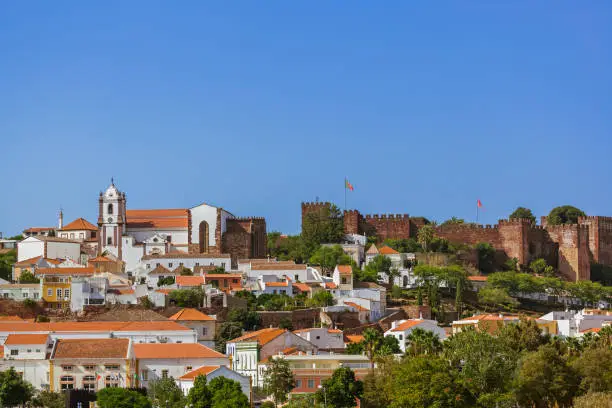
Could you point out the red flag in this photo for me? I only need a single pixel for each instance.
(479, 204)
(349, 185)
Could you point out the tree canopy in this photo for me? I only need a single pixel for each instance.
(111, 397)
(341, 390)
(278, 380)
(328, 257)
(13, 389)
(524, 213)
(165, 392)
(565, 214)
(324, 226)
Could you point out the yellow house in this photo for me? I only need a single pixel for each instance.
(56, 284)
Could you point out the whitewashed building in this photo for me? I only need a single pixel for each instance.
(400, 329)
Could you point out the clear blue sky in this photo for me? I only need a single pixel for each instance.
(256, 106)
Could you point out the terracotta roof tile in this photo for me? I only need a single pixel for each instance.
(170, 218)
(169, 350)
(478, 278)
(101, 326)
(161, 270)
(91, 348)
(222, 275)
(189, 280)
(387, 250)
(189, 314)
(277, 284)
(372, 250)
(185, 255)
(15, 339)
(330, 285)
(101, 258)
(356, 306)
(591, 330)
(204, 370)
(354, 338)
(80, 224)
(278, 267)
(407, 324)
(344, 269)
(165, 291)
(39, 229)
(11, 319)
(302, 287)
(85, 271)
(262, 336)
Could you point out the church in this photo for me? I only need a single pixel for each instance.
(196, 236)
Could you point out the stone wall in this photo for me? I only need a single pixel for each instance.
(600, 238)
(573, 243)
(470, 234)
(245, 238)
(300, 319)
(388, 226)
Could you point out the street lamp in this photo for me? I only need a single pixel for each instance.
(324, 395)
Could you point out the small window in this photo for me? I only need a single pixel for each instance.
(14, 352)
(223, 265)
(155, 239)
(298, 383)
(234, 280)
(109, 241)
(401, 337)
(67, 367)
(296, 277)
(89, 367)
(144, 374)
(318, 337)
(38, 350)
(29, 350)
(164, 373)
(204, 331)
(109, 209)
(157, 264)
(170, 265)
(188, 368)
(81, 235)
(197, 264)
(311, 383)
(181, 264)
(111, 367)
(72, 235)
(25, 294)
(58, 294)
(35, 295)
(66, 292)
(344, 281)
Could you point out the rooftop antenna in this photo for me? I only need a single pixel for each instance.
(112, 181)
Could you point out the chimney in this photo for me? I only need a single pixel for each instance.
(61, 220)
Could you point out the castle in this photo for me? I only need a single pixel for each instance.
(569, 248)
(129, 235)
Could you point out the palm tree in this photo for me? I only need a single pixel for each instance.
(423, 342)
(371, 342)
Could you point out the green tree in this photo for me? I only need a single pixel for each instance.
(404, 246)
(545, 379)
(166, 280)
(28, 277)
(486, 257)
(111, 397)
(421, 341)
(341, 390)
(511, 265)
(227, 393)
(453, 221)
(249, 319)
(595, 368)
(6, 264)
(565, 214)
(278, 380)
(199, 395)
(586, 291)
(321, 298)
(328, 257)
(424, 236)
(379, 264)
(324, 226)
(49, 399)
(187, 297)
(372, 340)
(540, 267)
(14, 390)
(227, 331)
(165, 393)
(524, 213)
(496, 297)
(522, 336)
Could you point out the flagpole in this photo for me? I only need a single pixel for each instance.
(345, 180)
(477, 212)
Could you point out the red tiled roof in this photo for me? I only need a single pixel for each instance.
(189, 314)
(91, 348)
(592, 330)
(222, 275)
(356, 306)
(16, 339)
(354, 338)
(277, 284)
(66, 271)
(204, 370)
(39, 229)
(302, 287)
(31, 261)
(169, 350)
(330, 285)
(189, 280)
(277, 267)
(165, 218)
(11, 319)
(407, 324)
(101, 258)
(100, 326)
(80, 224)
(164, 291)
(387, 250)
(477, 278)
(345, 269)
(262, 336)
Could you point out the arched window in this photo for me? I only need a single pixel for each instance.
(203, 237)
(110, 209)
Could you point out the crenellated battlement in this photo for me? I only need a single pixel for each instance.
(515, 221)
(316, 204)
(449, 227)
(248, 218)
(351, 212)
(387, 216)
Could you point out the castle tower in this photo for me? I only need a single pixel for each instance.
(111, 220)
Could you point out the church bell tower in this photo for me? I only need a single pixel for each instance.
(111, 220)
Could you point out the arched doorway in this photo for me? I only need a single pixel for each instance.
(203, 237)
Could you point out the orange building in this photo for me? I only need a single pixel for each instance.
(227, 282)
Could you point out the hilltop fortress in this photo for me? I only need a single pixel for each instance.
(569, 248)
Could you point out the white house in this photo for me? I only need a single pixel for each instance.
(343, 278)
(156, 361)
(48, 247)
(27, 354)
(400, 329)
(79, 230)
(21, 291)
(203, 324)
(323, 338)
(271, 285)
(571, 324)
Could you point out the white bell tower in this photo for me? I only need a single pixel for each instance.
(111, 220)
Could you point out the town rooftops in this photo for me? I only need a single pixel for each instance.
(169, 350)
(486, 318)
(39, 229)
(302, 287)
(204, 370)
(91, 348)
(387, 250)
(222, 276)
(101, 258)
(345, 269)
(20, 286)
(36, 259)
(84, 271)
(330, 285)
(277, 284)
(262, 336)
(354, 338)
(11, 318)
(185, 255)
(161, 270)
(163, 218)
(79, 327)
(189, 314)
(591, 330)
(17, 339)
(80, 224)
(316, 328)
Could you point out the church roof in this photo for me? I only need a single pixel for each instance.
(387, 250)
(372, 250)
(80, 224)
(164, 218)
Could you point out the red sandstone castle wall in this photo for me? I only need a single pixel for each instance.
(245, 238)
(600, 238)
(351, 221)
(388, 226)
(470, 234)
(573, 240)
